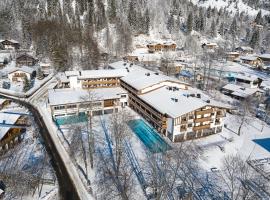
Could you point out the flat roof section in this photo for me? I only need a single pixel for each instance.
(69, 96)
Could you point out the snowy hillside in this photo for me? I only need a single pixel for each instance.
(230, 6)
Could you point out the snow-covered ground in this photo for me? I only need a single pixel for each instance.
(228, 142)
(27, 157)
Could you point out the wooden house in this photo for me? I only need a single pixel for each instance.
(12, 126)
(243, 50)
(4, 103)
(232, 56)
(10, 44)
(26, 59)
(253, 61)
(19, 74)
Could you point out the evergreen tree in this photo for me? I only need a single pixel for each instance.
(190, 22)
(101, 19)
(208, 12)
(39, 73)
(247, 38)
(147, 21)
(258, 18)
(202, 20)
(221, 29)
(132, 15)
(213, 29)
(255, 39)
(26, 85)
(233, 28)
(112, 11)
(170, 23)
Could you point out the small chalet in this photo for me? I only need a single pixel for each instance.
(4, 103)
(12, 126)
(265, 58)
(26, 59)
(243, 50)
(18, 74)
(240, 92)
(232, 56)
(209, 45)
(165, 46)
(253, 61)
(10, 44)
(132, 58)
(46, 68)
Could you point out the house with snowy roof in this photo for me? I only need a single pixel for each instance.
(243, 50)
(265, 58)
(10, 44)
(4, 103)
(12, 126)
(252, 60)
(26, 59)
(240, 92)
(18, 74)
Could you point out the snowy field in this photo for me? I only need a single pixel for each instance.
(30, 159)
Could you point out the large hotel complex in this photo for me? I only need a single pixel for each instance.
(173, 108)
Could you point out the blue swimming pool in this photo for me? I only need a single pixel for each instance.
(82, 117)
(149, 136)
(265, 143)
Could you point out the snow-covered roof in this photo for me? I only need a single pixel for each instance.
(241, 91)
(72, 73)
(9, 119)
(141, 78)
(264, 56)
(103, 73)
(163, 100)
(2, 101)
(249, 58)
(13, 41)
(69, 96)
(23, 69)
(232, 53)
(249, 77)
(62, 77)
(245, 48)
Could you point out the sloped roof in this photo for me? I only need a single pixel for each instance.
(9, 119)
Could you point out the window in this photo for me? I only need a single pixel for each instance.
(123, 96)
(189, 125)
(72, 106)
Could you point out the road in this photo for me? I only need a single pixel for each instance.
(70, 184)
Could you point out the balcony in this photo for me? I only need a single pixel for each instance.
(202, 112)
(196, 128)
(204, 119)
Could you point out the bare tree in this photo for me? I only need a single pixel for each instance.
(115, 178)
(235, 176)
(90, 98)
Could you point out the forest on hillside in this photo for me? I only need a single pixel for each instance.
(86, 32)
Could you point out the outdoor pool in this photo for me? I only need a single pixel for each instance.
(149, 136)
(265, 143)
(82, 117)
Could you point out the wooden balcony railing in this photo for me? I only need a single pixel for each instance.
(204, 119)
(202, 112)
(196, 128)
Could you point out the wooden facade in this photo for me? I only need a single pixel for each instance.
(13, 135)
(10, 44)
(26, 60)
(100, 82)
(4, 103)
(152, 48)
